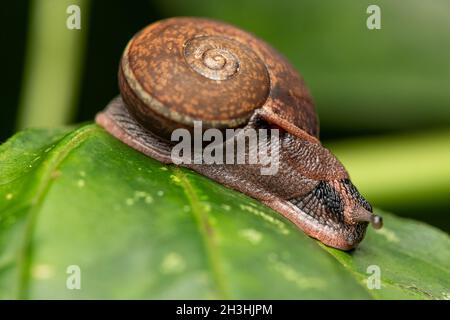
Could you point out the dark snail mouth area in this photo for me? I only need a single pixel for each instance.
(325, 207)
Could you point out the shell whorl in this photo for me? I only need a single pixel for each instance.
(181, 70)
(213, 57)
(187, 70)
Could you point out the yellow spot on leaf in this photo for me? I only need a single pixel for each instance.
(42, 271)
(279, 224)
(207, 207)
(148, 199)
(388, 234)
(175, 179)
(139, 195)
(293, 275)
(173, 263)
(253, 236)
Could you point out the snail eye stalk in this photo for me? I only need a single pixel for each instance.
(363, 215)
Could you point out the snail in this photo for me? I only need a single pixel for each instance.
(178, 71)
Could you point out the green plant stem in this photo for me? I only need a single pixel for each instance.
(53, 64)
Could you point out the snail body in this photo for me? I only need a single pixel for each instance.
(182, 70)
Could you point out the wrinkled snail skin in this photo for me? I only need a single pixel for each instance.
(181, 70)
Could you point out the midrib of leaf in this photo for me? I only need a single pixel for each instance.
(207, 234)
(45, 178)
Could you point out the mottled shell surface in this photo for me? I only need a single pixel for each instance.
(180, 70)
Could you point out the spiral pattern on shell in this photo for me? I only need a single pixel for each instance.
(213, 57)
(181, 70)
(185, 70)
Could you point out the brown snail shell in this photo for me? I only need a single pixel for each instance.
(181, 70)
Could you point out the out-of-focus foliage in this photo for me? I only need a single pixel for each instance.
(53, 65)
(139, 229)
(364, 81)
(396, 78)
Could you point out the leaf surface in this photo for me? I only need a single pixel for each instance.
(139, 229)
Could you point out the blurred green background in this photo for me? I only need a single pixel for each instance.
(383, 96)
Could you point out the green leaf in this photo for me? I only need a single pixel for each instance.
(140, 229)
(414, 260)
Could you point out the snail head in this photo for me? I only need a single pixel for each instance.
(337, 208)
